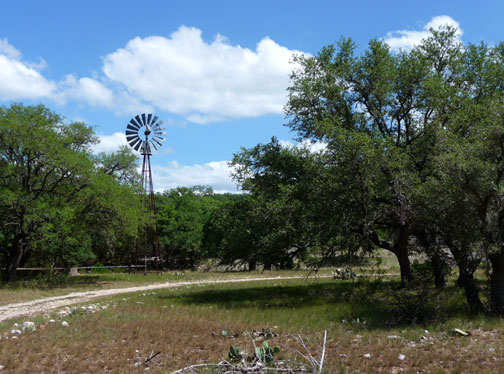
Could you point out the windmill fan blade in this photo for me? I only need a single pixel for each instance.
(154, 120)
(138, 145)
(157, 142)
(138, 120)
(135, 124)
(143, 119)
(132, 128)
(160, 132)
(159, 138)
(153, 145)
(129, 138)
(131, 132)
(133, 142)
(149, 116)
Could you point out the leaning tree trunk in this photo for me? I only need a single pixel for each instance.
(467, 267)
(466, 280)
(497, 283)
(400, 249)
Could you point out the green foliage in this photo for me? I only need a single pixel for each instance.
(59, 204)
(182, 215)
(413, 155)
(234, 353)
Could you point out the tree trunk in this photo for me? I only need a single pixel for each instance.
(400, 249)
(267, 266)
(404, 265)
(497, 283)
(466, 280)
(438, 267)
(252, 265)
(13, 263)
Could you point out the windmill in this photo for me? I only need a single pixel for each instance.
(144, 133)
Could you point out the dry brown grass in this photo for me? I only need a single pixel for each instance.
(186, 332)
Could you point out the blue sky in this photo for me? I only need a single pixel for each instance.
(214, 71)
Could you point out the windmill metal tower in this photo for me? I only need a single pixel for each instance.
(144, 133)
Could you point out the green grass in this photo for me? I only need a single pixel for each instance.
(25, 290)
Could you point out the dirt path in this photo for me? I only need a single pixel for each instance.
(48, 304)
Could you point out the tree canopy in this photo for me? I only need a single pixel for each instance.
(412, 159)
(60, 204)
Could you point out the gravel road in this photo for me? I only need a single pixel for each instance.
(48, 304)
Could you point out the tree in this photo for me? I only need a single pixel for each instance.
(59, 204)
(44, 165)
(297, 209)
(407, 137)
(182, 215)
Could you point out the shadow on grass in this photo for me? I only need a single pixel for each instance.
(366, 304)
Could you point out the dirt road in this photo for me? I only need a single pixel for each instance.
(48, 304)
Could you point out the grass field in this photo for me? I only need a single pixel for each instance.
(369, 327)
(39, 288)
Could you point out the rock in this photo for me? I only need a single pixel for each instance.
(367, 355)
(64, 324)
(15, 332)
(401, 357)
(392, 337)
(28, 326)
(2, 367)
(491, 349)
(15, 324)
(51, 321)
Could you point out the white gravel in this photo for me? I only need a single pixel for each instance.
(48, 304)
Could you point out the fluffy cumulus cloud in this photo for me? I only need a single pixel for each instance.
(202, 81)
(181, 74)
(110, 143)
(21, 79)
(87, 90)
(407, 39)
(216, 174)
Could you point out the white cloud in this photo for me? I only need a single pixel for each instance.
(216, 174)
(9, 50)
(407, 39)
(202, 81)
(86, 89)
(110, 143)
(312, 147)
(181, 74)
(20, 79)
